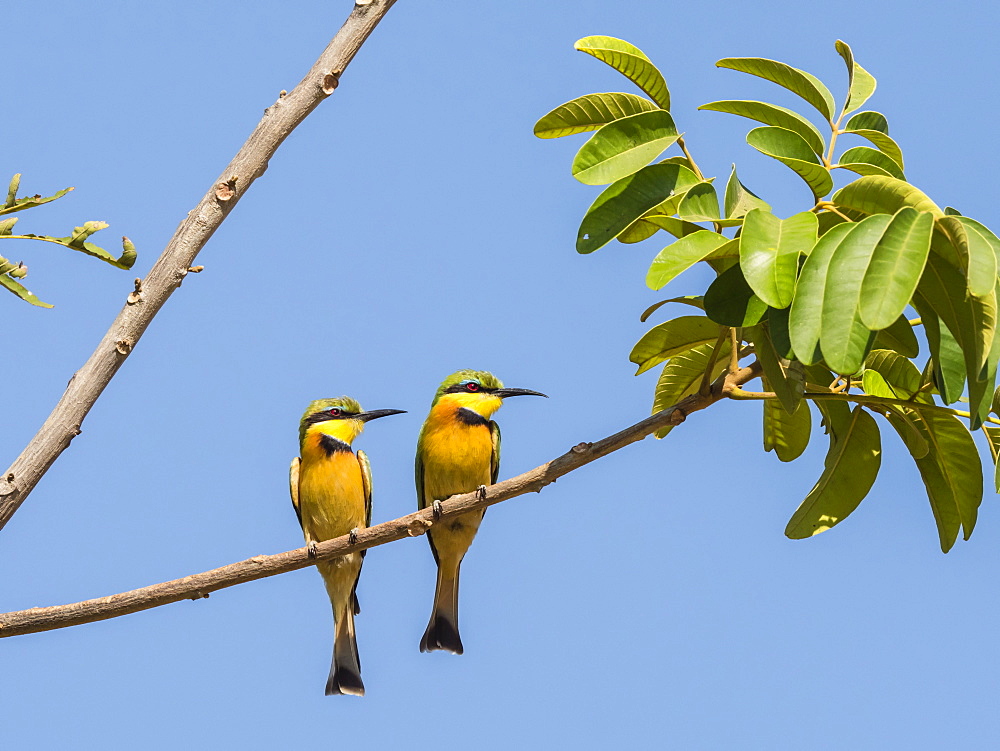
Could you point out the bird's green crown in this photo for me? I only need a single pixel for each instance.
(324, 405)
(485, 379)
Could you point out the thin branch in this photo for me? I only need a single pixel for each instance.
(878, 401)
(200, 585)
(84, 388)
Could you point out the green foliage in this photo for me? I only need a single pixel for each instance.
(819, 302)
(78, 240)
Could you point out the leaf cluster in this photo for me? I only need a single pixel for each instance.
(823, 301)
(78, 239)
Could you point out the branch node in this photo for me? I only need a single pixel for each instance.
(195, 269)
(123, 346)
(330, 82)
(677, 416)
(199, 595)
(581, 448)
(136, 295)
(282, 94)
(418, 526)
(226, 190)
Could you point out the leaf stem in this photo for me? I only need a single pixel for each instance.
(706, 379)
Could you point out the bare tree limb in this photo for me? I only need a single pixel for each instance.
(200, 585)
(84, 388)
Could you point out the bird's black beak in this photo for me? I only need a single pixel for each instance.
(377, 413)
(504, 393)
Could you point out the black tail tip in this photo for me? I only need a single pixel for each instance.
(441, 634)
(344, 682)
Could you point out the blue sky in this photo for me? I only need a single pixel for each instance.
(411, 227)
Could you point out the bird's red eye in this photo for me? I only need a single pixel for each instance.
(473, 386)
(335, 412)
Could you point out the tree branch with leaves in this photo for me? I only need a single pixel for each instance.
(822, 299)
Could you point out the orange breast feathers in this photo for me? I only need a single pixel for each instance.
(455, 454)
(331, 491)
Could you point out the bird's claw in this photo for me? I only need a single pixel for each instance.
(481, 492)
(352, 536)
(438, 511)
(311, 549)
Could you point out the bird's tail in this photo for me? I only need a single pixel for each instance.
(345, 672)
(442, 631)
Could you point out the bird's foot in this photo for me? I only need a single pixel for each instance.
(352, 536)
(311, 549)
(481, 492)
(438, 511)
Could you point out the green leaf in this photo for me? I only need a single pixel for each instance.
(971, 320)
(861, 83)
(682, 255)
(797, 81)
(700, 204)
(15, 183)
(889, 374)
(884, 143)
(951, 471)
(682, 376)
(590, 112)
(868, 161)
(895, 267)
(787, 435)
(785, 377)
(869, 121)
(898, 336)
(851, 465)
(638, 231)
(844, 339)
(29, 202)
(947, 359)
(980, 255)
(729, 301)
(631, 63)
(623, 147)
(771, 114)
(676, 227)
(671, 338)
(883, 195)
(739, 200)
(806, 315)
(981, 389)
(790, 149)
(624, 201)
(21, 291)
(993, 436)
(777, 326)
(769, 253)
(695, 301)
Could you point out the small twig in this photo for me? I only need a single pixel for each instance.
(177, 257)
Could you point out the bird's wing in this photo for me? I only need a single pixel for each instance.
(366, 480)
(495, 460)
(418, 471)
(293, 486)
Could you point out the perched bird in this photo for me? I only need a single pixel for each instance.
(331, 490)
(458, 451)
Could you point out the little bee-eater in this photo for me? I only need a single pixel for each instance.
(458, 451)
(331, 490)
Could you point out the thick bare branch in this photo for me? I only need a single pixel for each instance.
(84, 388)
(258, 567)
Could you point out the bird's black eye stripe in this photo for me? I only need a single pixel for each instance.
(327, 414)
(470, 387)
